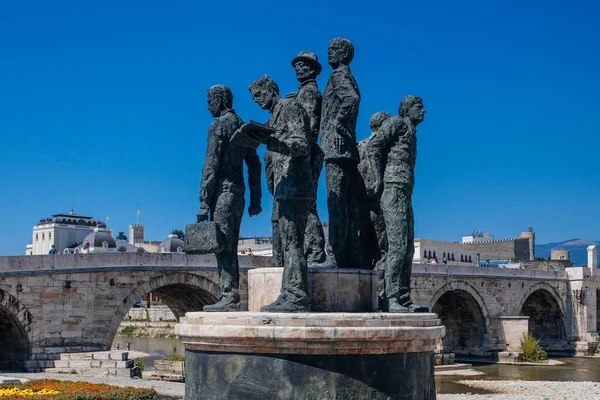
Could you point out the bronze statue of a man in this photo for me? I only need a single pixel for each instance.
(373, 240)
(309, 96)
(338, 140)
(393, 151)
(292, 187)
(222, 191)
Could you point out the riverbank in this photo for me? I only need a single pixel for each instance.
(145, 329)
(525, 390)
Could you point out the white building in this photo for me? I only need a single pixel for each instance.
(478, 237)
(61, 230)
(434, 251)
(257, 246)
(75, 233)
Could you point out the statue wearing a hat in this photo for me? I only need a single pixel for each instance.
(307, 68)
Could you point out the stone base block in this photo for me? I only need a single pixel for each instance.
(216, 376)
(250, 355)
(331, 289)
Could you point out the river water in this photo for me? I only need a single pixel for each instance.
(158, 348)
(579, 369)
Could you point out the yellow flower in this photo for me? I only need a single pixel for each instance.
(26, 392)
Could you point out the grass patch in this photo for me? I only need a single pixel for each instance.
(127, 331)
(174, 357)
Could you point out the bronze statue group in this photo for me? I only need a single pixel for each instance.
(369, 184)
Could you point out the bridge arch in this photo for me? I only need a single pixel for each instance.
(16, 330)
(465, 315)
(181, 291)
(546, 311)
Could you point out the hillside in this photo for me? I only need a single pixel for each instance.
(577, 247)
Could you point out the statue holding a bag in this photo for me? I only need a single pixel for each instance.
(222, 197)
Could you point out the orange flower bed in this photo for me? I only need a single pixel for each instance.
(67, 390)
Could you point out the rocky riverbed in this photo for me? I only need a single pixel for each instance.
(526, 390)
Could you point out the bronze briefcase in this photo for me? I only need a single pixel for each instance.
(203, 238)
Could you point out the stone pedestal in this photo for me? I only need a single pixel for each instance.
(331, 289)
(250, 355)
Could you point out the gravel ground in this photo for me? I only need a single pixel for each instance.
(528, 390)
(168, 390)
(505, 390)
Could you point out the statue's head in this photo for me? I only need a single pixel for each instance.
(307, 66)
(340, 51)
(411, 107)
(377, 119)
(220, 99)
(265, 92)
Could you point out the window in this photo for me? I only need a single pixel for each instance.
(49, 235)
(36, 237)
(470, 259)
(43, 236)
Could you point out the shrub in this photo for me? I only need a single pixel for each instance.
(530, 346)
(139, 362)
(174, 356)
(66, 390)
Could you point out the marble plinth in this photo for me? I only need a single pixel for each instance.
(251, 355)
(331, 289)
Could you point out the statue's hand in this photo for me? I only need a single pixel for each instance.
(203, 214)
(378, 186)
(339, 144)
(254, 210)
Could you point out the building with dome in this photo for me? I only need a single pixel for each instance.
(172, 244)
(61, 230)
(76, 233)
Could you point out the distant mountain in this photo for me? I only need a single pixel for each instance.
(577, 247)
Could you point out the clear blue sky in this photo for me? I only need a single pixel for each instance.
(103, 105)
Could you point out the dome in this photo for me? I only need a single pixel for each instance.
(171, 244)
(99, 238)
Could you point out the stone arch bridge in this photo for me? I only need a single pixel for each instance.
(76, 302)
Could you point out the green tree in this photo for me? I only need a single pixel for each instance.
(180, 234)
(121, 236)
(532, 352)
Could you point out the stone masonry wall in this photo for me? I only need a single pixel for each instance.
(508, 249)
(76, 302)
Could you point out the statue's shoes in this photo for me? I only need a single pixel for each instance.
(223, 305)
(324, 264)
(395, 307)
(283, 306)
